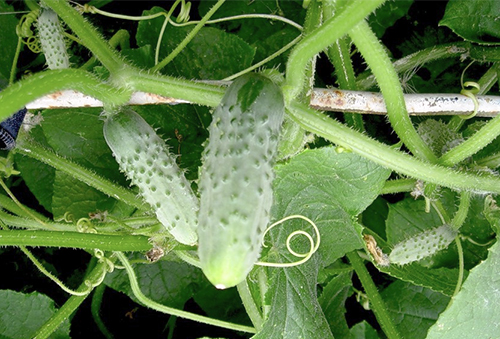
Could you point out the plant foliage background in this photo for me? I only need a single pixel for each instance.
(340, 292)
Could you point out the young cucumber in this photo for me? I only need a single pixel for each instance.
(422, 245)
(145, 159)
(236, 177)
(51, 37)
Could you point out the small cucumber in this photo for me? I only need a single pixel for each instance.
(51, 37)
(236, 177)
(422, 245)
(145, 159)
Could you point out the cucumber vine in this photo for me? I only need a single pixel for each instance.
(233, 198)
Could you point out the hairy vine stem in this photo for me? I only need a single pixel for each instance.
(72, 303)
(386, 156)
(320, 39)
(172, 311)
(105, 242)
(388, 81)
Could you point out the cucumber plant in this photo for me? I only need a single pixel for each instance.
(235, 192)
(145, 159)
(236, 177)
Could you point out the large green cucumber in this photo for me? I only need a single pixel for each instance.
(145, 159)
(236, 177)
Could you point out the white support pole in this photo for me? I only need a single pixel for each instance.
(323, 99)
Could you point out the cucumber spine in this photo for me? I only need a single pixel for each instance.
(145, 159)
(236, 178)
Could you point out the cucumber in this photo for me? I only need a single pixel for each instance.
(51, 37)
(422, 245)
(236, 177)
(145, 159)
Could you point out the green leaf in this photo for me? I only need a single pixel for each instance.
(438, 135)
(413, 308)
(38, 176)
(332, 301)
(8, 41)
(77, 135)
(294, 309)
(375, 215)
(476, 306)
(407, 218)
(267, 36)
(211, 55)
(363, 330)
(77, 198)
(474, 20)
(387, 15)
(443, 280)
(166, 282)
(330, 188)
(255, 30)
(21, 315)
(222, 304)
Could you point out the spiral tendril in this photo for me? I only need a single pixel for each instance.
(26, 32)
(470, 89)
(305, 256)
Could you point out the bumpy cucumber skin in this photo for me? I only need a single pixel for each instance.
(236, 177)
(422, 245)
(52, 40)
(145, 159)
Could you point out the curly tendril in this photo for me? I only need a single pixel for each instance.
(306, 256)
(470, 89)
(84, 225)
(25, 31)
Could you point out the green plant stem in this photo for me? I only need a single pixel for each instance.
(417, 59)
(461, 268)
(189, 37)
(472, 145)
(71, 304)
(398, 186)
(376, 302)
(87, 241)
(492, 161)
(88, 35)
(172, 311)
(320, 39)
(49, 275)
(13, 69)
(462, 212)
(194, 92)
(16, 96)
(21, 222)
(9, 205)
(96, 308)
(36, 151)
(385, 156)
(132, 225)
(120, 38)
(250, 306)
(377, 59)
(340, 56)
(311, 23)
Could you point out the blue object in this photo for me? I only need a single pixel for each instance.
(9, 129)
